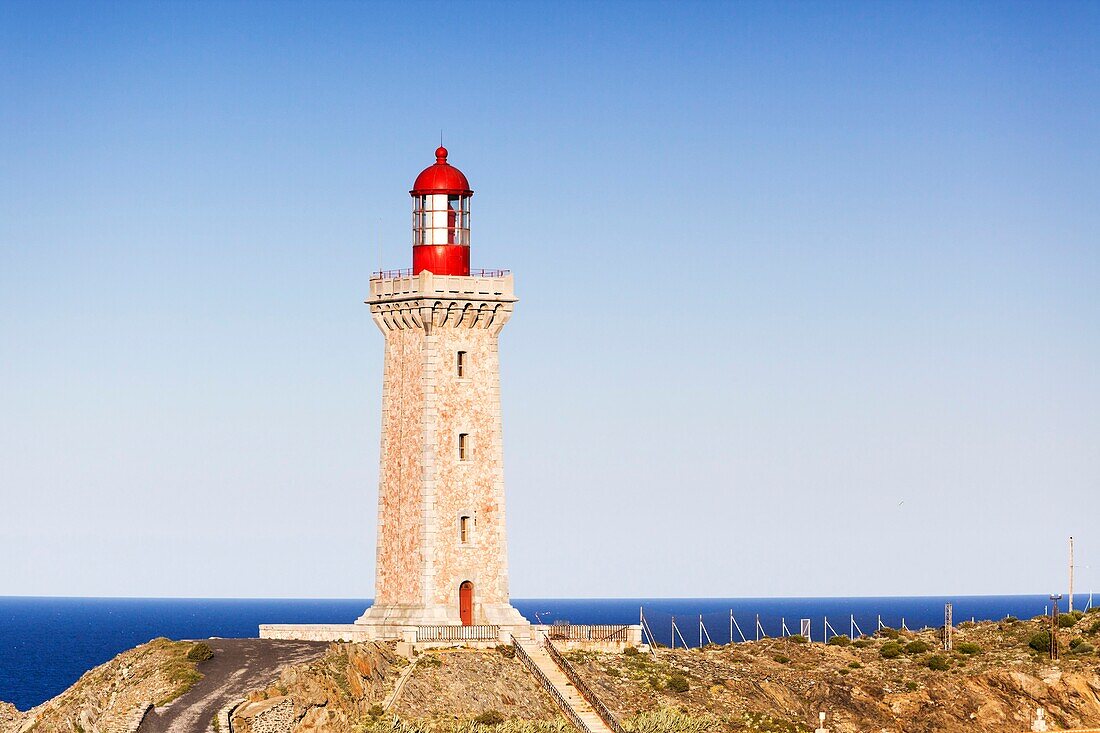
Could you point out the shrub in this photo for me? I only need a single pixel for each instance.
(937, 662)
(631, 651)
(431, 660)
(797, 638)
(376, 711)
(781, 659)
(1067, 620)
(911, 685)
(917, 647)
(678, 683)
(506, 650)
(1093, 609)
(1095, 628)
(490, 717)
(1074, 643)
(1040, 642)
(862, 643)
(1009, 620)
(968, 647)
(841, 640)
(1083, 648)
(888, 633)
(200, 652)
(854, 665)
(890, 650)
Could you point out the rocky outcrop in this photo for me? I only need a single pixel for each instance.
(331, 694)
(107, 698)
(9, 717)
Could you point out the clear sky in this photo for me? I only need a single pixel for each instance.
(810, 293)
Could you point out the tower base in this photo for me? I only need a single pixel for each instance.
(402, 615)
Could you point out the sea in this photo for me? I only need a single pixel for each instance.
(47, 643)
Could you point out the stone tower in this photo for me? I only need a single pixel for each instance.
(442, 555)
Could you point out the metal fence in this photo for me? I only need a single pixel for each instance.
(457, 633)
(582, 632)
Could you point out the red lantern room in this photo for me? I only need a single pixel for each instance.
(441, 219)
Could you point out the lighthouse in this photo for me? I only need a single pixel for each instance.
(442, 553)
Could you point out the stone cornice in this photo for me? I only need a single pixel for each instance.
(428, 301)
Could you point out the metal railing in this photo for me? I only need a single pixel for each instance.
(582, 687)
(457, 633)
(584, 632)
(407, 272)
(551, 688)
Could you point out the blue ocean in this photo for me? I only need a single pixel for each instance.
(47, 643)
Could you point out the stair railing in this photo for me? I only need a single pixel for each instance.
(582, 687)
(549, 686)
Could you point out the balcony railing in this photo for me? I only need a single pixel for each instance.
(407, 272)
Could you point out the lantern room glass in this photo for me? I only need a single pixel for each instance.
(440, 218)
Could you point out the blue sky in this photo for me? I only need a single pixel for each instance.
(809, 292)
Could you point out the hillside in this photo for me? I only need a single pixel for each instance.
(894, 682)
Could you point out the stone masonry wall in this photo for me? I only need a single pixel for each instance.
(400, 520)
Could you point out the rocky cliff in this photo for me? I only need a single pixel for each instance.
(105, 698)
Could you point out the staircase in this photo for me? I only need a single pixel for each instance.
(575, 707)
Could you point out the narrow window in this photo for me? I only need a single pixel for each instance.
(463, 446)
(460, 364)
(464, 529)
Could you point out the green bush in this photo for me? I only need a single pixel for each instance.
(797, 638)
(782, 659)
(1095, 628)
(1067, 620)
(200, 652)
(967, 647)
(1076, 642)
(911, 685)
(862, 643)
(841, 640)
(677, 683)
(937, 662)
(631, 651)
(888, 633)
(376, 711)
(855, 665)
(1040, 642)
(1081, 647)
(890, 650)
(1009, 620)
(506, 650)
(917, 647)
(490, 717)
(1093, 609)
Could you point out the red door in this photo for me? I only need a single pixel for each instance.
(466, 603)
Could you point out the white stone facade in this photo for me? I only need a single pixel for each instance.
(441, 518)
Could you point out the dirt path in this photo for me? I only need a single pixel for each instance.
(238, 665)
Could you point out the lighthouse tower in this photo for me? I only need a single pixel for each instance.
(442, 555)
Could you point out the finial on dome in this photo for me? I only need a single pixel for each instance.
(441, 154)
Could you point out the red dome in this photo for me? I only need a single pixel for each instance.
(441, 178)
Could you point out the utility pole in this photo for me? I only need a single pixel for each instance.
(1071, 574)
(1054, 598)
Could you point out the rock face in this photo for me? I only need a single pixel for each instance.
(9, 716)
(104, 699)
(331, 694)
